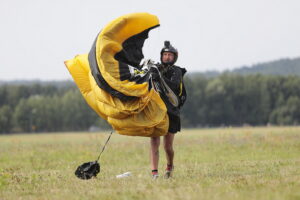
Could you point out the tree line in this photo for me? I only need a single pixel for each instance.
(226, 100)
(236, 100)
(45, 108)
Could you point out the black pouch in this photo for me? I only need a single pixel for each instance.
(88, 170)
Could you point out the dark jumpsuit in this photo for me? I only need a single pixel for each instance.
(173, 76)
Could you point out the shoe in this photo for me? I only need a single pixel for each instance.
(155, 176)
(169, 171)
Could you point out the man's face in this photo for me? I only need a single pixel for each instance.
(167, 57)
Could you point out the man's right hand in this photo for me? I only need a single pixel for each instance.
(154, 72)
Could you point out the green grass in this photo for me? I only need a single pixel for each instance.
(230, 163)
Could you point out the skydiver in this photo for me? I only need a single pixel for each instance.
(173, 76)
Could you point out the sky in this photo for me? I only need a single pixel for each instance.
(37, 36)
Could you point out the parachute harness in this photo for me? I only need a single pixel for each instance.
(160, 85)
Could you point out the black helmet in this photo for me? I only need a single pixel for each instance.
(169, 48)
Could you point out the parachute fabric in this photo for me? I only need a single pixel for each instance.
(113, 84)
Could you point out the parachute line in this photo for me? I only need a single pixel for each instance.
(103, 148)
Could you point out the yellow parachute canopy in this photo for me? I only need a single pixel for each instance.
(114, 85)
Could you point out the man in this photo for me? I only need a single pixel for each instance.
(173, 76)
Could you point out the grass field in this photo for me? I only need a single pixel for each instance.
(229, 163)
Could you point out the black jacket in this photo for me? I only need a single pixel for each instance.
(173, 76)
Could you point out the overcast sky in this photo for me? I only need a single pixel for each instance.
(36, 36)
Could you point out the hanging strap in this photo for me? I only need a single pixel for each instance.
(104, 145)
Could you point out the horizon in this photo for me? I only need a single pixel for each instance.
(206, 71)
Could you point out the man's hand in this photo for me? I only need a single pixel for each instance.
(146, 63)
(154, 72)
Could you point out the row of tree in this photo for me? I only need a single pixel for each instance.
(36, 108)
(227, 100)
(238, 100)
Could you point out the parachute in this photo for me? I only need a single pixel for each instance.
(114, 84)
